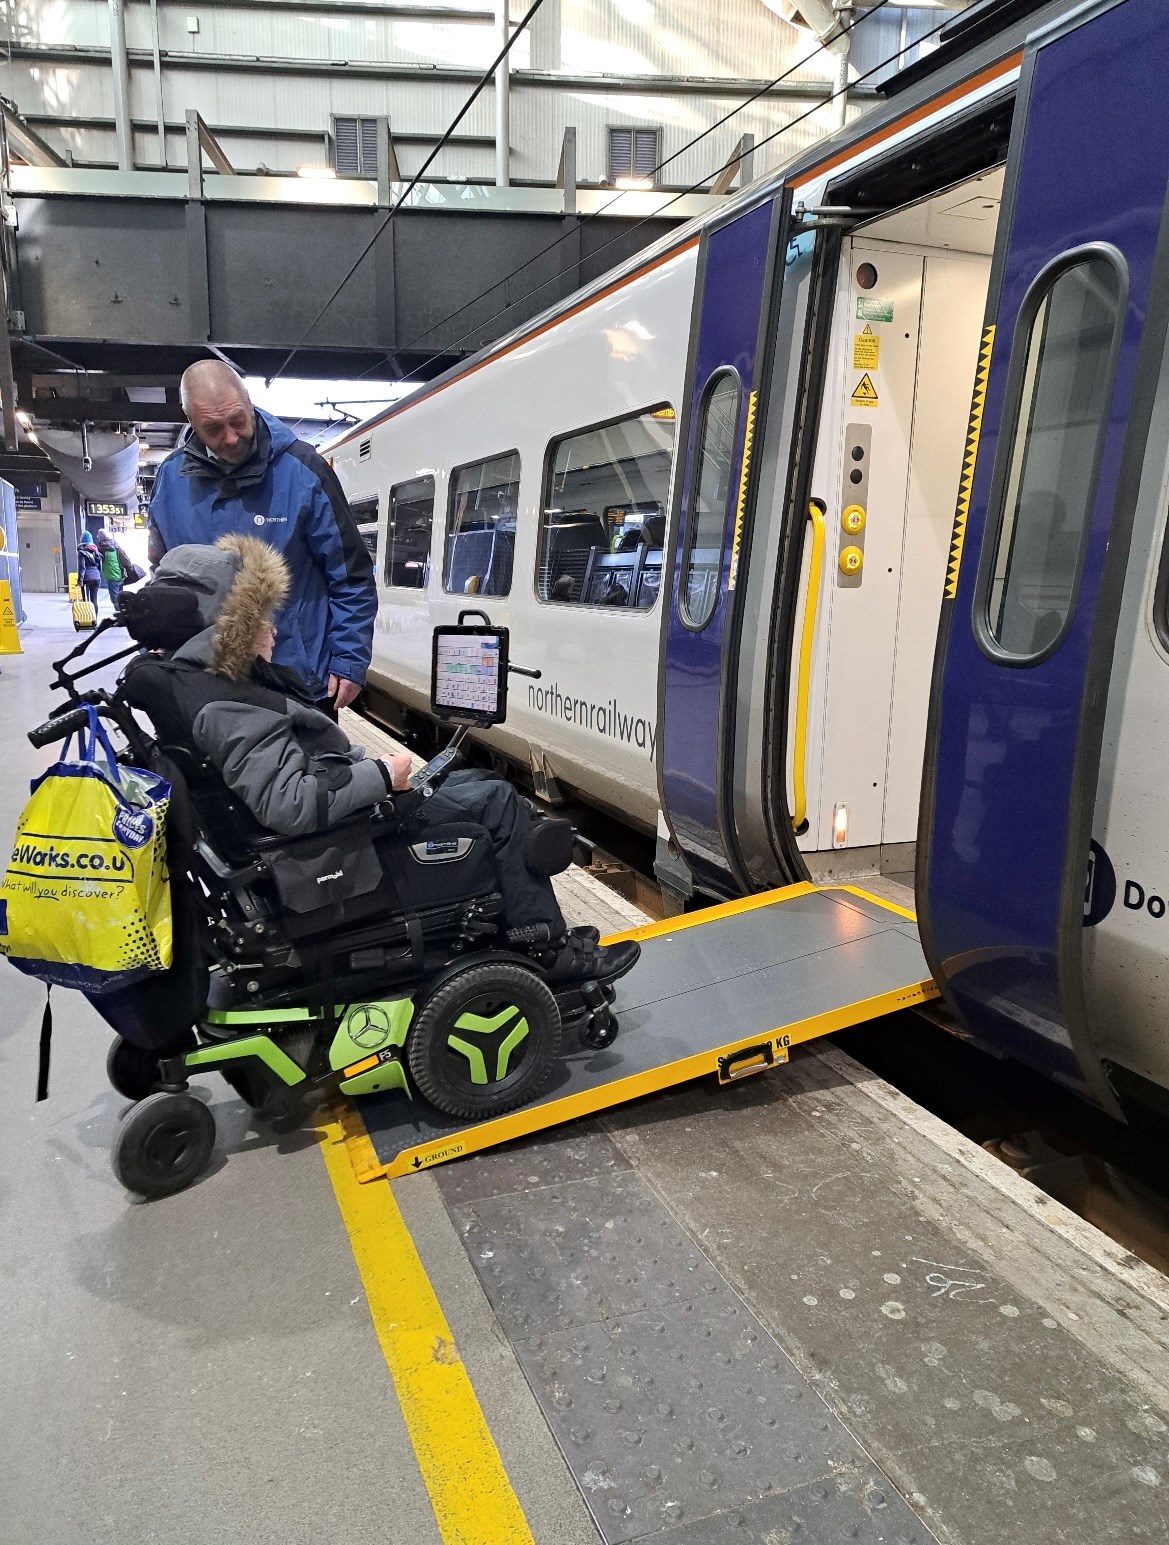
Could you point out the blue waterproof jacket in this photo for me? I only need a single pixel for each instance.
(289, 496)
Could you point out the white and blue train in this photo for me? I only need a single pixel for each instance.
(714, 495)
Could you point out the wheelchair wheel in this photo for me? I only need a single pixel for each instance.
(163, 1144)
(486, 1042)
(132, 1071)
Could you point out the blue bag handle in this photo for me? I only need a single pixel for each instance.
(87, 749)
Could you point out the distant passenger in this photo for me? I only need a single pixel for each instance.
(89, 568)
(114, 567)
(563, 589)
(241, 471)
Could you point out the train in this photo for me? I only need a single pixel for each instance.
(835, 523)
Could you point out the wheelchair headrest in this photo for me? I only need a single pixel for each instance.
(162, 615)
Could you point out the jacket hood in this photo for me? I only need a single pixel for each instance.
(259, 589)
(228, 591)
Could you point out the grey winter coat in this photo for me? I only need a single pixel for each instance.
(290, 765)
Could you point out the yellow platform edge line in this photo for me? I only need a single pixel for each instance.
(464, 1476)
(538, 1118)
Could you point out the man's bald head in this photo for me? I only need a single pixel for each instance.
(218, 409)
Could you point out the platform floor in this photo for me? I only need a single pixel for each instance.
(796, 1310)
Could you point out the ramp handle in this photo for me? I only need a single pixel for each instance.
(745, 1061)
(816, 509)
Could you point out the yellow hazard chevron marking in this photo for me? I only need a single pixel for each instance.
(748, 443)
(865, 394)
(978, 402)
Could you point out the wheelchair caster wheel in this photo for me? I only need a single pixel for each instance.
(599, 1029)
(132, 1071)
(163, 1144)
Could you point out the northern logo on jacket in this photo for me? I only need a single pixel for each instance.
(270, 520)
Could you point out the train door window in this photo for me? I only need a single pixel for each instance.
(706, 516)
(365, 514)
(604, 526)
(481, 520)
(408, 533)
(1060, 385)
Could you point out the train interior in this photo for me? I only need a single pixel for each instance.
(908, 323)
(603, 525)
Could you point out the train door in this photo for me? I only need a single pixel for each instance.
(737, 274)
(1076, 320)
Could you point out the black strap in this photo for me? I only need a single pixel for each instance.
(46, 1048)
(322, 803)
(414, 938)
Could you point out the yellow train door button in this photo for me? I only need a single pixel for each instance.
(853, 519)
(851, 560)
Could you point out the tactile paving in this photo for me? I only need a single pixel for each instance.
(676, 1411)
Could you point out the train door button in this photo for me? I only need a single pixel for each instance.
(851, 560)
(853, 519)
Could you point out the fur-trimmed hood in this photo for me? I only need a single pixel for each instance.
(228, 591)
(259, 589)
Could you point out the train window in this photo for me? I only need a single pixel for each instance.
(365, 514)
(480, 532)
(408, 533)
(604, 523)
(1060, 388)
(706, 517)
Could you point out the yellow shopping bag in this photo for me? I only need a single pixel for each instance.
(86, 899)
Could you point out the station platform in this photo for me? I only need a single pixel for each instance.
(793, 1309)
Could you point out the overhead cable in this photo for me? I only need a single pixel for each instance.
(604, 209)
(483, 82)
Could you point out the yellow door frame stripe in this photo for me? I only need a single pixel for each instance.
(469, 1491)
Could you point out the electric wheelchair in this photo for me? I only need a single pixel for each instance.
(364, 958)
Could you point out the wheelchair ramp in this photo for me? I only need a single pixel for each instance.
(727, 991)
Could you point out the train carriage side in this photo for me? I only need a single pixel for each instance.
(795, 690)
(536, 484)
(993, 344)
(959, 306)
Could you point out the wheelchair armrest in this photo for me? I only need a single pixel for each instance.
(377, 817)
(550, 846)
(232, 878)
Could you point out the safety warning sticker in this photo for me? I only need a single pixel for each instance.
(869, 309)
(864, 394)
(866, 350)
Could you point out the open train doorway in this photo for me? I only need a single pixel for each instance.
(901, 369)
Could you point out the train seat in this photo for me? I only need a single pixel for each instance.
(571, 541)
(484, 555)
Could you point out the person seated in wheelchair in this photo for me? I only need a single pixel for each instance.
(296, 771)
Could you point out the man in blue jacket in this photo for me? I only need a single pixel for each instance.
(242, 471)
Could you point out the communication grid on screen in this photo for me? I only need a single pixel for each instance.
(466, 676)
